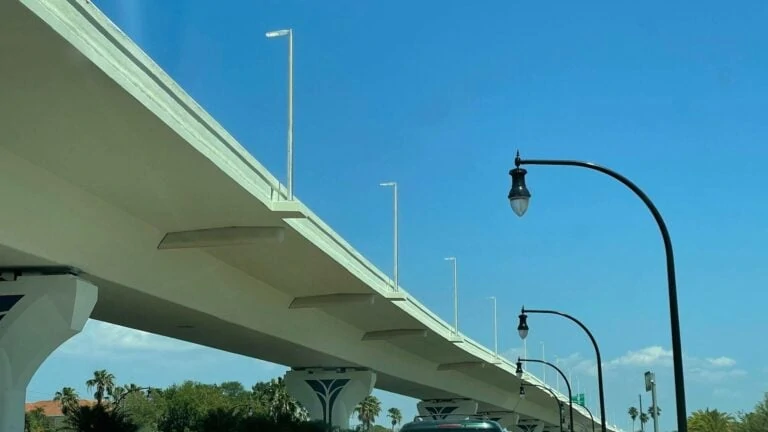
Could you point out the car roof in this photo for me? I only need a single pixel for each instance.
(429, 423)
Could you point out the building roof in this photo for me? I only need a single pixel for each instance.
(52, 408)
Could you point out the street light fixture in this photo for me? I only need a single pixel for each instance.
(519, 372)
(522, 326)
(519, 197)
(524, 321)
(519, 194)
(289, 173)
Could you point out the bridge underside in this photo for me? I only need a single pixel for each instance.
(102, 160)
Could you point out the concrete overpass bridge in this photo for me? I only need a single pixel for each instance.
(122, 200)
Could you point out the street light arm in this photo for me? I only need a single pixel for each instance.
(597, 354)
(567, 383)
(677, 349)
(554, 395)
(590, 416)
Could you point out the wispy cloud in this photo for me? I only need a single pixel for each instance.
(512, 354)
(578, 364)
(708, 370)
(722, 392)
(645, 357)
(721, 362)
(103, 338)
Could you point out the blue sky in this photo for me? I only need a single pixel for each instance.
(438, 96)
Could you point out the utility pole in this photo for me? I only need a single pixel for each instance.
(650, 385)
(640, 398)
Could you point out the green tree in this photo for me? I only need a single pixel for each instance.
(104, 384)
(98, 418)
(187, 405)
(37, 421)
(755, 421)
(68, 399)
(710, 421)
(633, 413)
(143, 409)
(367, 411)
(395, 416)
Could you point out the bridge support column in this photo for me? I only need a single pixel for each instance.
(37, 315)
(330, 395)
(507, 419)
(441, 408)
(537, 427)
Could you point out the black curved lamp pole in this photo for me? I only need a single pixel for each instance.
(592, 417)
(554, 395)
(524, 324)
(567, 383)
(519, 197)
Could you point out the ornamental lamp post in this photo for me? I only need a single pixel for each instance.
(519, 198)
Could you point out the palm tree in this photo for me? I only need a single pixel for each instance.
(116, 393)
(36, 421)
(650, 411)
(103, 382)
(98, 418)
(68, 399)
(367, 411)
(710, 421)
(280, 405)
(633, 413)
(395, 416)
(643, 419)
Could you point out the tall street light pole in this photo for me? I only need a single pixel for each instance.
(455, 297)
(519, 197)
(395, 259)
(289, 171)
(523, 329)
(495, 328)
(519, 373)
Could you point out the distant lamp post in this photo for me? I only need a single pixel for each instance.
(396, 240)
(289, 173)
(519, 197)
(455, 296)
(495, 328)
(519, 373)
(591, 417)
(553, 394)
(524, 322)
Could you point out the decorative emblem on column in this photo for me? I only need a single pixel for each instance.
(327, 390)
(440, 412)
(7, 302)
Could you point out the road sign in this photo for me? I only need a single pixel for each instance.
(578, 399)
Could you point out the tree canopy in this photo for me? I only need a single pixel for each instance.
(714, 420)
(190, 407)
